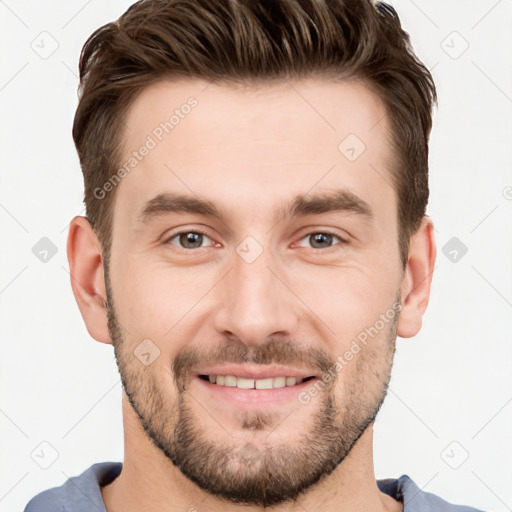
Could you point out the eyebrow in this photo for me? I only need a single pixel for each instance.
(337, 200)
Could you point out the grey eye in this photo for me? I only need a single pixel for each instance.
(320, 240)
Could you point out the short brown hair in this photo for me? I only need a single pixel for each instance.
(247, 42)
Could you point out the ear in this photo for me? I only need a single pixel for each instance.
(87, 277)
(417, 279)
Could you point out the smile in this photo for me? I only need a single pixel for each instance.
(244, 383)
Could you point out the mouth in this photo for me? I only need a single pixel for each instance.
(245, 383)
(253, 385)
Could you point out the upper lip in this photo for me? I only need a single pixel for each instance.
(252, 371)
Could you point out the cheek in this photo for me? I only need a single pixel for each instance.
(346, 300)
(365, 368)
(153, 299)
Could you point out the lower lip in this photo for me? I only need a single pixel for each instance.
(253, 396)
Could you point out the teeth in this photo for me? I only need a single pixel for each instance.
(264, 383)
(242, 383)
(229, 380)
(279, 382)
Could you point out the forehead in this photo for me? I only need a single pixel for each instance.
(309, 109)
(254, 143)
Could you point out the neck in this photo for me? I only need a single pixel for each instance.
(150, 482)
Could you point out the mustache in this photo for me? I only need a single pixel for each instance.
(274, 351)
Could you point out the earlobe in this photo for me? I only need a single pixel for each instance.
(87, 277)
(417, 279)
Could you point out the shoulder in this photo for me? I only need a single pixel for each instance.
(415, 500)
(78, 493)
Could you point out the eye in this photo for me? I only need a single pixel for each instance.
(321, 240)
(189, 239)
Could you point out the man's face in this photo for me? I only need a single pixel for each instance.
(283, 282)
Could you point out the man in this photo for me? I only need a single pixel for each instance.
(256, 185)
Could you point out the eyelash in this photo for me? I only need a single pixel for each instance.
(342, 241)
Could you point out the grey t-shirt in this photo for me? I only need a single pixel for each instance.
(82, 493)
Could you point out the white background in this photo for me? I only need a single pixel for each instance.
(451, 383)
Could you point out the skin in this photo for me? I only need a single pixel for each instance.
(250, 150)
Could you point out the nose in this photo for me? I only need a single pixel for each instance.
(255, 302)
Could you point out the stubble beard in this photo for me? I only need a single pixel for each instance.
(260, 473)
